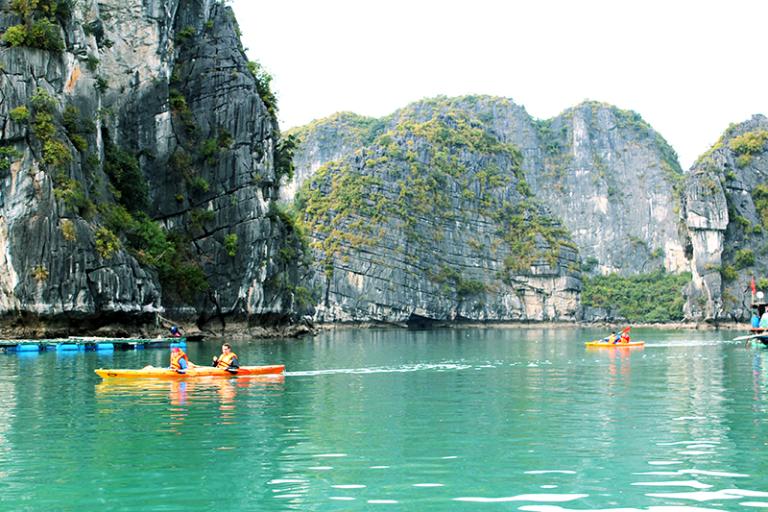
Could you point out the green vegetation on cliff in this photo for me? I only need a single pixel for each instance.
(40, 23)
(760, 198)
(748, 144)
(654, 297)
(7, 155)
(264, 87)
(436, 168)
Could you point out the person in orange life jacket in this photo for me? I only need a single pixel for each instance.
(179, 360)
(624, 338)
(227, 360)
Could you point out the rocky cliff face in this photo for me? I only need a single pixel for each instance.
(616, 184)
(326, 140)
(138, 169)
(602, 175)
(726, 211)
(434, 220)
(612, 180)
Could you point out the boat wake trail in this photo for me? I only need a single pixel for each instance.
(440, 367)
(690, 343)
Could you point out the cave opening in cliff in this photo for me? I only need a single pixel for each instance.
(421, 322)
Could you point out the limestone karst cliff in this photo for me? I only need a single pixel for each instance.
(726, 211)
(609, 182)
(434, 219)
(138, 169)
(141, 165)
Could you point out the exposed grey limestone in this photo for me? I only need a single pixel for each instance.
(727, 229)
(326, 140)
(614, 182)
(433, 221)
(124, 61)
(602, 172)
(611, 179)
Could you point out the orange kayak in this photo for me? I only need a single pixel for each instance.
(197, 371)
(605, 344)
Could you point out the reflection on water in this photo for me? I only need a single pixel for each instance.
(402, 420)
(181, 393)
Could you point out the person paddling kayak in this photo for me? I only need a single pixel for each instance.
(227, 360)
(624, 338)
(179, 360)
(614, 338)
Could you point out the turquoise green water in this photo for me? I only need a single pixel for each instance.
(456, 420)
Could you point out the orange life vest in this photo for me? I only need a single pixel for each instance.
(225, 360)
(176, 357)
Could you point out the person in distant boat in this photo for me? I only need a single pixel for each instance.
(179, 360)
(612, 338)
(755, 320)
(764, 320)
(624, 338)
(227, 360)
(175, 332)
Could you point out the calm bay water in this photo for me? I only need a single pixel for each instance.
(456, 420)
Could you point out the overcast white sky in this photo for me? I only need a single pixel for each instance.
(689, 68)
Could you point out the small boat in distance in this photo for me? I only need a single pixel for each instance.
(616, 340)
(606, 344)
(759, 305)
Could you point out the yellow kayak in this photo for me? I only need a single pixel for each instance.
(605, 344)
(197, 371)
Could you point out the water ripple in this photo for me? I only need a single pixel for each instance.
(689, 443)
(725, 494)
(673, 483)
(676, 508)
(548, 471)
(525, 497)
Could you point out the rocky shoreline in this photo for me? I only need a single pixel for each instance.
(692, 326)
(242, 330)
(148, 327)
